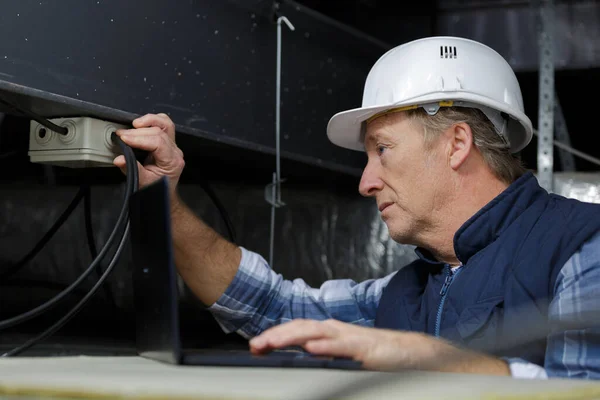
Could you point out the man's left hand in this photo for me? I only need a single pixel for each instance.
(377, 349)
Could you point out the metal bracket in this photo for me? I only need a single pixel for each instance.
(567, 160)
(545, 156)
(273, 190)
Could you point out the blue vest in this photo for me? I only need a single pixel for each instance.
(511, 251)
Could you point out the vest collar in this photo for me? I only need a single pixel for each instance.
(489, 222)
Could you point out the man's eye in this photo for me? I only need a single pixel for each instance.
(380, 149)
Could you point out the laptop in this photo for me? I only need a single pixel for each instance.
(155, 293)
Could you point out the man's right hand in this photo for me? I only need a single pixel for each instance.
(154, 133)
(206, 261)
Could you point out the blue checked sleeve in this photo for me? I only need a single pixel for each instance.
(258, 298)
(575, 352)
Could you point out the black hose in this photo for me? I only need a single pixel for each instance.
(38, 118)
(89, 231)
(132, 186)
(6, 274)
(213, 196)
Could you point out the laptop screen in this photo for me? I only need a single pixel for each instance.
(154, 276)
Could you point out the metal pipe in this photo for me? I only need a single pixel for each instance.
(275, 195)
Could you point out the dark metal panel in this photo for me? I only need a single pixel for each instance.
(209, 64)
(509, 27)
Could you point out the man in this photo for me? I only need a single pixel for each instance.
(507, 274)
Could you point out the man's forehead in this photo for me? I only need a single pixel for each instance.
(379, 126)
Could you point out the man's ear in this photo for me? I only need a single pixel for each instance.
(460, 144)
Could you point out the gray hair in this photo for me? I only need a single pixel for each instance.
(496, 154)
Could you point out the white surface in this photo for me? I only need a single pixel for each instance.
(137, 377)
(525, 370)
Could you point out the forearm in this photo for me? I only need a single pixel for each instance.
(205, 260)
(439, 355)
(461, 361)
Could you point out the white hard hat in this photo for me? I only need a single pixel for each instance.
(436, 72)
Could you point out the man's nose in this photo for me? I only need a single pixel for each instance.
(370, 183)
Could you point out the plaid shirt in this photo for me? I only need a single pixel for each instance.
(258, 298)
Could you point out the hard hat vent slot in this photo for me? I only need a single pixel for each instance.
(448, 52)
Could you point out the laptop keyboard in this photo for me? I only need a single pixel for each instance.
(274, 353)
(276, 358)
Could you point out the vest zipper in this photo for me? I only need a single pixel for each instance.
(443, 292)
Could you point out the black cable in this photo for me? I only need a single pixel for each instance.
(45, 239)
(213, 196)
(132, 184)
(89, 230)
(48, 285)
(131, 163)
(84, 192)
(61, 322)
(131, 187)
(38, 118)
(8, 154)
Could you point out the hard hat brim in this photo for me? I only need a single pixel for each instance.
(347, 128)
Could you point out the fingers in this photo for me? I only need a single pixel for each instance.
(150, 139)
(120, 161)
(345, 343)
(377, 349)
(159, 146)
(338, 347)
(161, 121)
(294, 333)
(154, 134)
(140, 131)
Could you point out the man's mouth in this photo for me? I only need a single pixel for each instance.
(383, 206)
